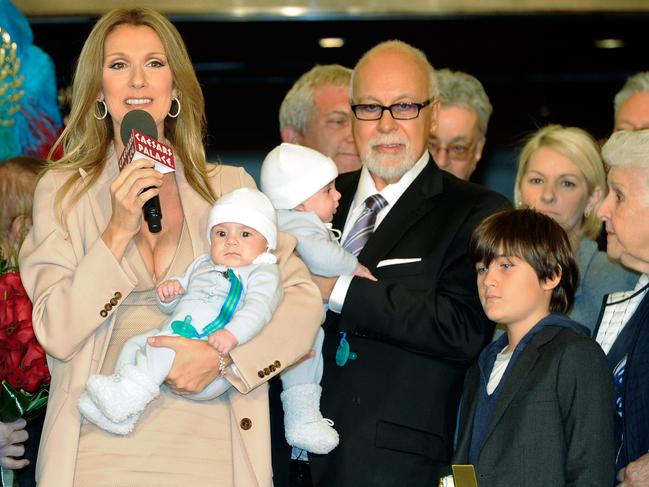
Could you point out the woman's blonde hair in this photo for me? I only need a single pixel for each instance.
(578, 146)
(85, 139)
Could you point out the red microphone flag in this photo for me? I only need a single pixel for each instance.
(141, 146)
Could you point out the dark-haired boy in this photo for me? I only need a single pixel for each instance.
(537, 408)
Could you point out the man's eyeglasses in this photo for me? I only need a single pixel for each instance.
(455, 152)
(399, 111)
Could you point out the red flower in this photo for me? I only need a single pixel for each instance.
(11, 355)
(28, 379)
(34, 354)
(22, 331)
(23, 307)
(15, 306)
(22, 359)
(12, 281)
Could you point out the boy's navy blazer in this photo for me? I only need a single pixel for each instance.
(550, 425)
(415, 332)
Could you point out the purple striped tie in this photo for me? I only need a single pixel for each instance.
(364, 226)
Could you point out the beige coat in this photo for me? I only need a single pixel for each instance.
(70, 275)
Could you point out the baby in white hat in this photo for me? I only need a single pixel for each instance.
(300, 183)
(226, 297)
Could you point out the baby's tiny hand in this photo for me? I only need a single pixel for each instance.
(170, 290)
(223, 341)
(362, 271)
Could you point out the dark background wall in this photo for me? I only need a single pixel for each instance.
(537, 69)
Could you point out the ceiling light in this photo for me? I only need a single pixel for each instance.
(293, 11)
(328, 42)
(609, 43)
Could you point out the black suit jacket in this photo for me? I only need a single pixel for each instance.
(553, 422)
(415, 332)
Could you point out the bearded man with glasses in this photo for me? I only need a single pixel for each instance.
(416, 329)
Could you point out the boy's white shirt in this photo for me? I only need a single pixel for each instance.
(498, 370)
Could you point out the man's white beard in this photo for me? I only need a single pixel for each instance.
(376, 162)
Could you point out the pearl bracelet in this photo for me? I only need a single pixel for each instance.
(221, 363)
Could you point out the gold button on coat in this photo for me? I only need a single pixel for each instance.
(277, 364)
(245, 424)
(103, 313)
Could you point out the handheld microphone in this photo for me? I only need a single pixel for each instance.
(140, 137)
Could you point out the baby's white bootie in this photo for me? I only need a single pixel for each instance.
(304, 425)
(122, 394)
(91, 412)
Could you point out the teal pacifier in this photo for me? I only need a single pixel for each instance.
(184, 328)
(344, 353)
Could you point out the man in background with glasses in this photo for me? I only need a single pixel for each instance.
(457, 141)
(396, 350)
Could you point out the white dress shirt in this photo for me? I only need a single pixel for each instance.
(366, 188)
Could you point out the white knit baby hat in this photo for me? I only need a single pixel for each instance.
(245, 206)
(290, 174)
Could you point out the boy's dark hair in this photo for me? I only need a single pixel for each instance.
(535, 238)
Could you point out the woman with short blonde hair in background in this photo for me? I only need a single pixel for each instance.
(561, 174)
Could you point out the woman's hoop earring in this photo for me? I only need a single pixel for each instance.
(587, 212)
(174, 115)
(105, 110)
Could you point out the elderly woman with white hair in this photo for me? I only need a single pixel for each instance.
(623, 331)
